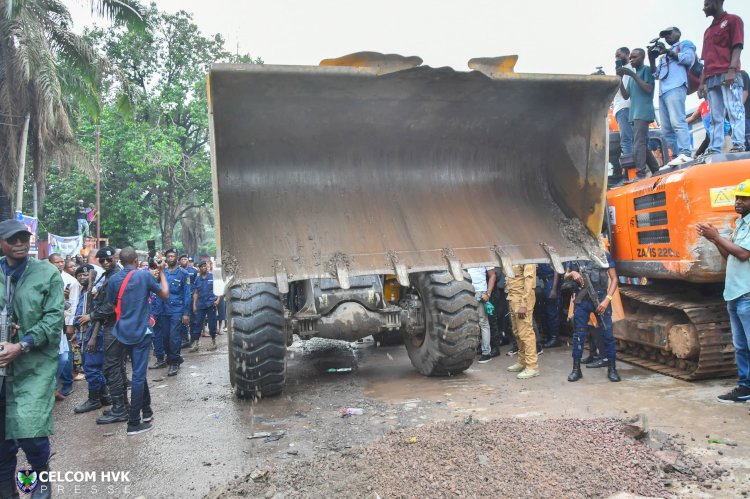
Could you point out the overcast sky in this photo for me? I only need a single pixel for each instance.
(550, 36)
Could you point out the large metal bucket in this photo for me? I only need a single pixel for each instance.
(341, 171)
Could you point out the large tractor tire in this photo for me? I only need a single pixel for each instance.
(451, 336)
(257, 341)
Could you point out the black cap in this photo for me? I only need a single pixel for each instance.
(12, 227)
(667, 31)
(84, 269)
(105, 252)
(202, 264)
(170, 250)
(183, 256)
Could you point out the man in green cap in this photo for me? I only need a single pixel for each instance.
(31, 292)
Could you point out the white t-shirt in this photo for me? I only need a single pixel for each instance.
(479, 278)
(621, 102)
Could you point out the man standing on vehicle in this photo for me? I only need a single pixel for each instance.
(128, 292)
(33, 290)
(736, 249)
(640, 91)
(672, 72)
(621, 105)
(721, 83)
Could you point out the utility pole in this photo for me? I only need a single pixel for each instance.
(98, 216)
(22, 164)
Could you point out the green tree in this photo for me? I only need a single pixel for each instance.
(44, 66)
(162, 161)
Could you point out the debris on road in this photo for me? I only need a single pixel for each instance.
(508, 455)
(351, 411)
(268, 434)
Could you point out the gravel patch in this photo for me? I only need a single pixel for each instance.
(510, 458)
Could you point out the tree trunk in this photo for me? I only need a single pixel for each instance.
(5, 211)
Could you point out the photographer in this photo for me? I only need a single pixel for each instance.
(671, 69)
(640, 91)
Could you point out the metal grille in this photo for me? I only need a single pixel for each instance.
(660, 236)
(651, 219)
(651, 201)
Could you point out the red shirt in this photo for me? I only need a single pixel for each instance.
(724, 33)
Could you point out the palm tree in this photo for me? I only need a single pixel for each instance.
(44, 67)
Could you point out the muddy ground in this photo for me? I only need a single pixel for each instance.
(426, 437)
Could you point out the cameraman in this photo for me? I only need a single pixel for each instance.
(671, 70)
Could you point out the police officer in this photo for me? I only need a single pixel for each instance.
(92, 348)
(103, 315)
(204, 306)
(177, 308)
(186, 264)
(161, 330)
(549, 303)
(604, 281)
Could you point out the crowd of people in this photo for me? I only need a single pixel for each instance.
(525, 310)
(675, 65)
(65, 320)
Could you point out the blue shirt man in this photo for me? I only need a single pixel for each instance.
(672, 72)
(128, 291)
(736, 249)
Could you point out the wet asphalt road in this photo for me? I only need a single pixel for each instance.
(200, 440)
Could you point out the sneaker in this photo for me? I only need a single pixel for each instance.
(484, 359)
(212, 346)
(195, 347)
(173, 369)
(512, 353)
(159, 364)
(539, 350)
(737, 149)
(528, 373)
(495, 352)
(515, 368)
(739, 394)
(680, 160)
(135, 429)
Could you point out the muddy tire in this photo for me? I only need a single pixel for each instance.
(257, 341)
(452, 325)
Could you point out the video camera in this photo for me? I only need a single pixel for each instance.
(153, 260)
(655, 47)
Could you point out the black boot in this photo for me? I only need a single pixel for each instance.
(106, 398)
(9, 489)
(612, 371)
(598, 363)
(588, 360)
(118, 413)
(93, 403)
(43, 488)
(552, 342)
(576, 373)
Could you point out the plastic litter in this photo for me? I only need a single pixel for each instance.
(351, 411)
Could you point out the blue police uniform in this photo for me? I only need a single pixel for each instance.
(93, 362)
(178, 305)
(549, 307)
(584, 308)
(161, 326)
(187, 331)
(205, 306)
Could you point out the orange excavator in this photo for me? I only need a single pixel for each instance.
(675, 319)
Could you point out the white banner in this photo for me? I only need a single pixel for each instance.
(66, 246)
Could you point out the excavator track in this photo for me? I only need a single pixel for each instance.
(708, 315)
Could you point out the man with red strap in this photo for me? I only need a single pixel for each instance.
(128, 291)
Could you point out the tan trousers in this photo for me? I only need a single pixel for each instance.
(523, 330)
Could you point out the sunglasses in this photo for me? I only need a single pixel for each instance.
(20, 237)
(102, 260)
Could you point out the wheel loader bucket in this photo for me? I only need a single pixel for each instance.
(332, 171)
